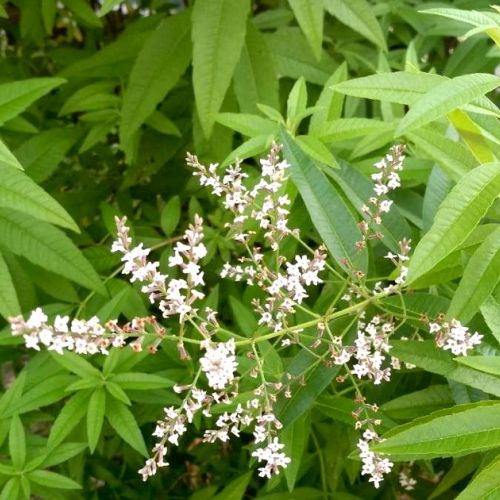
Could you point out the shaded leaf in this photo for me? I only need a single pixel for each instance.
(17, 96)
(19, 192)
(219, 28)
(359, 16)
(123, 422)
(161, 62)
(9, 304)
(309, 15)
(47, 247)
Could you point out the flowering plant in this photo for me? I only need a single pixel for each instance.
(316, 316)
(232, 397)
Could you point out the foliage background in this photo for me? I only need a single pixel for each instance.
(99, 102)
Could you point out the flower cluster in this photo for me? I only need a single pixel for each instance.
(218, 363)
(386, 180)
(263, 202)
(178, 295)
(373, 464)
(454, 337)
(259, 226)
(84, 336)
(369, 350)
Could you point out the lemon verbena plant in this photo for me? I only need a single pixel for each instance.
(235, 392)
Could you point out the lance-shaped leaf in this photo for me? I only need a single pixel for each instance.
(15, 97)
(7, 158)
(159, 65)
(358, 15)
(473, 428)
(480, 278)
(432, 359)
(124, 423)
(331, 217)
(9, 304)
(309, 15)
(446, 97)
(485, 485)
(19, 192)
(400, 87)
(255, 80)
(487, 364)
(456, 218)
(47, 247)
(219, 28)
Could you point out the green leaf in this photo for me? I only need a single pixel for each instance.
(52, 480)
(296, 103)
(491, 313)
(445, 97)
(47, 247)
(140, 381)
(9, 304)
(358, 189)
(68, 418)
(295, 438)
(219, 28)
(123, 422)
(162, 124)
(400, 87)
(245, 124)
(255, 79)
(13, 393)
(467, 431)
(252, 147)
(19, 192)
(161, 62)
(419, 403)
(456, 218)
(49, 9)
(17, 96)
(107, 6)
(481, 276)
(11, 489)
(313, 147)
(309, 15)
(358, 15)
(472, 135)
(294, 58)
(17, 443)
(235, 490)
(170, 215)
(45, 393)
(117, 392)
(83, 13)
(350, 128)
(76, 364)
(329, 104)
(95, 417)
(453, 157)
(428, 356)
(334, 221)
(62, 453)
(7, 158)
(487, 364)
(41, 154)
(485, 485)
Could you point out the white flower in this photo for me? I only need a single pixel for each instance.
(36, 319)
(219, 363)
